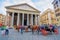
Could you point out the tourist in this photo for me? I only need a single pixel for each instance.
(41, 27)
(7, 30)
(3, 32)
(29, 26)
(32, 27)
(38, 29)
(18, 27)
(22, 28)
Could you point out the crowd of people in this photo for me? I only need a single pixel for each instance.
(4, 30)
(44, 29)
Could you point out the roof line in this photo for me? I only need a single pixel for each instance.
(22, 4)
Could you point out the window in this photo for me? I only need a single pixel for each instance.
(59, 0)
(57, 5)
(56, 2)
(58, 14)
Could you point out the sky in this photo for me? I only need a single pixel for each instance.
(41, 5)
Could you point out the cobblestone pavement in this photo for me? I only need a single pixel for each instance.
(14, 35)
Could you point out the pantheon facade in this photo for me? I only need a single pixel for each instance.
(22, 14)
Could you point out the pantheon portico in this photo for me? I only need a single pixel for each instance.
(23, 14)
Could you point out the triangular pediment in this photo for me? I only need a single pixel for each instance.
(23, 7)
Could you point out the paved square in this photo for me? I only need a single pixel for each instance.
(14, 35)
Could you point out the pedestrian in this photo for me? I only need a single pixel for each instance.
(28, 26)
(7, 30)
(3, 32)
(41, 27)
(51, 27)
(22, 28)
(18, 29)
(26, 29)
(38, 29)
(32, 27)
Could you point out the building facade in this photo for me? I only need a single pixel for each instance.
(48, 17)
(2, 19)
(23, 14)
(7, 20)
(56, 4)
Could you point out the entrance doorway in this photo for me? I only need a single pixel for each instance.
(15, 19)
(25, 22)
(25, 19)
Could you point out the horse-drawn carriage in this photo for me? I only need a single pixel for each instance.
(49, 29)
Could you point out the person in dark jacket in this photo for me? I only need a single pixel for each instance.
(6, 31)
